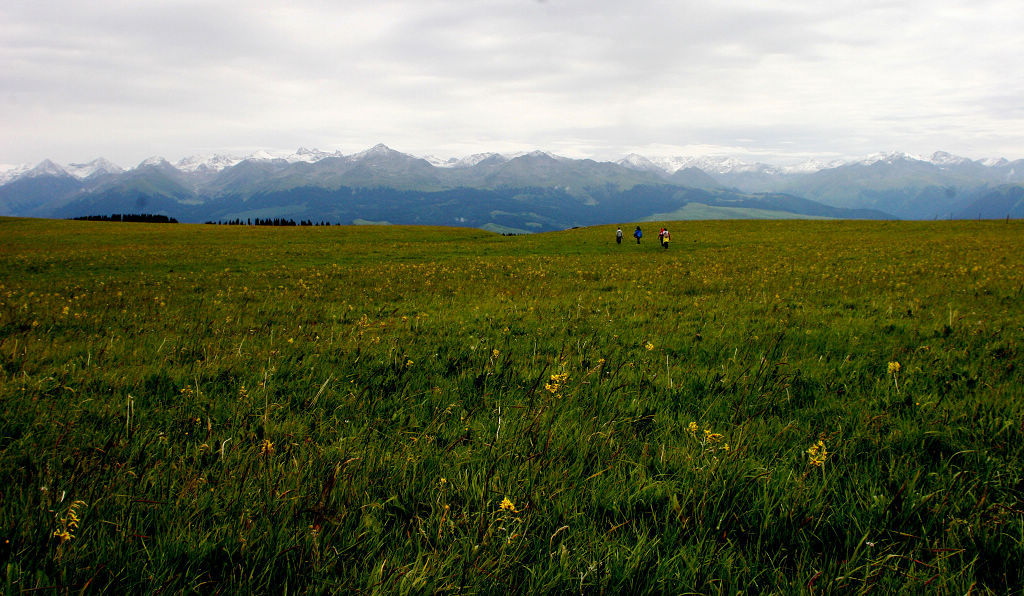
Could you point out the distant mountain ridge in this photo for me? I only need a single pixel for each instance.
(999, 169)
(199, 188)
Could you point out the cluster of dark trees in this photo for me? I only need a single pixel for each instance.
(277, 221)
(141, 217)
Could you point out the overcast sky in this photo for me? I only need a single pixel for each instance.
(764, 80)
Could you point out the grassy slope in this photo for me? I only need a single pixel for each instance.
(698, 211)
(346, 408)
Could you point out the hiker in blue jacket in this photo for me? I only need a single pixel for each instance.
(638, 234)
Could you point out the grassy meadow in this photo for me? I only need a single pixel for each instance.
(789, 407)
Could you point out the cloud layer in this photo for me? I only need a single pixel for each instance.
(586, 78)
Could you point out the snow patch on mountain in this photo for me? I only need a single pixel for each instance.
(639, 162)
(464, 162)
(207, 163)
(535, 153)
(889, 157)
(378, 150)
(262, 155)
(439, 162)
(712, 164)
(9, 172)
(153, 161)
(811, 166)
(311, 155)
(46, 168)
(92, 168)
(942, 158)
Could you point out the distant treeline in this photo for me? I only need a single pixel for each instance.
(141, 217)
(268, 222)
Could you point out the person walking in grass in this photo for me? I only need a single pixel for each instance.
(618, 236)
(661, 236)
(638, 234)
(665, 237)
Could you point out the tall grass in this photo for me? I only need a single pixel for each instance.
(410, 410)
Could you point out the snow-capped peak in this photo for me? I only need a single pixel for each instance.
(812, 165)
(438, 162)
(207, 163)
(464, 162)
(262, 154)
(534, 153)
(9, 172)
(711, 164)
(310, 155)
(890, 157)
(153, 161)
(378, 150)
(476, 158)
(216, 163)
(96, 166)
(994, 162)
(941, 158)
(46, 168)
(639, 162)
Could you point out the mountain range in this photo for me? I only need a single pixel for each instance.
(525, 192)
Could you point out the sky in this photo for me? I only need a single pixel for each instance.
(761, 80)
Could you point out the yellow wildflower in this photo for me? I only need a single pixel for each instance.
(649, 346)
(556, 381)
(711, 437)
(894, 367)
(508, 505)
(818, 454)
(266, 447)
(69, 523)
(693, 428)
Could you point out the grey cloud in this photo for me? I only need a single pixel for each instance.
(427, 75)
